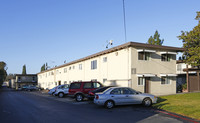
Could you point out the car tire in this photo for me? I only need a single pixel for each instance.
(79, 97)
(147, 102)
(109, 104)
(61, 95)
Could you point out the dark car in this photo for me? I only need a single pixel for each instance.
(24, 87)
(91, 94)
(79, 90)
(31, 88)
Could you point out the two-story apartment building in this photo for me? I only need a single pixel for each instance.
(25, 79)
(143, 67)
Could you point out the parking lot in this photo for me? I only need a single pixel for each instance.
(37, 107)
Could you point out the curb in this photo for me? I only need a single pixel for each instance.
(185, 118)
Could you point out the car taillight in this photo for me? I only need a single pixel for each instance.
(90, 93)
(97, 97)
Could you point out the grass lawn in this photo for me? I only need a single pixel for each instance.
(185, 104)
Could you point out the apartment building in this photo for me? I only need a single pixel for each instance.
(143, 67)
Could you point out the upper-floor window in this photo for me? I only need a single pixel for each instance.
(165, 80)
(143, 55)
(33, 78)
(65, 70)
(70, 68)
(73, 67)
(94, 64)
(19, 79)
(165, 57)
(104, 59)
(80, 66)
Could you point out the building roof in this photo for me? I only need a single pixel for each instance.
(25, 74)
(126, 45)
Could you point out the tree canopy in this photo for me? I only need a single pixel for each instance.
(3, 72)
(24, 69)
(191, 43)
(155, 40)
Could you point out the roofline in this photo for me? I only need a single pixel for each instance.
(25, 74)
(126, 45)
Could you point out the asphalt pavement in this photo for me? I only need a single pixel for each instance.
(37, 107)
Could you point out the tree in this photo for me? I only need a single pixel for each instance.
(10, 76)
(24, 69)
(3, 72)
(155, 40)
(191, 43)
(43, 68)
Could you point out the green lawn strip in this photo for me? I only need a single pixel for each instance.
(184, 104)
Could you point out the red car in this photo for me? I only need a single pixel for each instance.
(79, 90)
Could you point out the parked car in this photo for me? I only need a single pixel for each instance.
(52, 91)
(79, 90)
(24, 87)
(31, 88)
(123, 96)
(92, 93)
(61, 90)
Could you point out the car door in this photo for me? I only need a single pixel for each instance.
(133, 97)
(117, 96)
(66, 89)
(87, 87)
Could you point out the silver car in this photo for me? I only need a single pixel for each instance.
(123, 96)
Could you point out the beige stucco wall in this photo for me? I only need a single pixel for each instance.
(116, 70)
(154, 66)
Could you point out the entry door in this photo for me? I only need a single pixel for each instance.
(59, 82)
(146, 87)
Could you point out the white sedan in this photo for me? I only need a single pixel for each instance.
(123, 96)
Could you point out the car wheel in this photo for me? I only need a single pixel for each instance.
(61, 95)
(147, 102)
(79, 97)
(109, 104)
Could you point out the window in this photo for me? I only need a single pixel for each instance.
(70, 68)
(126, 91)
(33, 79)
(116, 91)
(75, 85)
(87, 85)
(104, 59)
(96, 85)
(51, 73)
(165, 57)
(104, 80)
(143, 55)
(65, 70)
(165, 80)
(141, 80)
(19, 79)
(94, 64)
(94, 80)
(179, 67)
(80, 66)
(73, 67)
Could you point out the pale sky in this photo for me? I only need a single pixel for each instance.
(34, 32)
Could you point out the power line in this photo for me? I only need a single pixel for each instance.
(124, 21)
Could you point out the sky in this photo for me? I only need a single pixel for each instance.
(33, 32)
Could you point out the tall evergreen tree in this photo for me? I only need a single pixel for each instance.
(43, 68)
(191, 43)
(155, 40)
(3, 72)
(24, 69)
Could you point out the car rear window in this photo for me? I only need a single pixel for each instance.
(75, 85)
